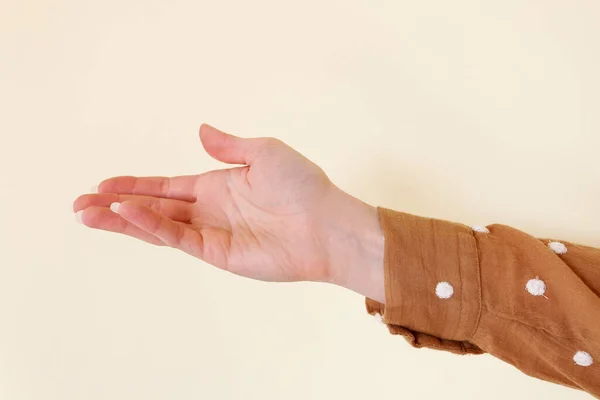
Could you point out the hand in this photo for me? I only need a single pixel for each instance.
(276, 218)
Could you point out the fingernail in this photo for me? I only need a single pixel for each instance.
(114, 207)
(94, 189)
(78, 216)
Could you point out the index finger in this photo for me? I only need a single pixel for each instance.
(179, 188)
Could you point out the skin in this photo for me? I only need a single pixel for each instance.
(274, 217)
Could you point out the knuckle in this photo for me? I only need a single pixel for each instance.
(273, 142)
(179, 235)
(165, 184)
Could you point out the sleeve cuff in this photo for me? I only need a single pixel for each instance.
(432, 283)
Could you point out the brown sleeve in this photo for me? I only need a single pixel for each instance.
(530, 302)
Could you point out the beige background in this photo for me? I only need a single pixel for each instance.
(473, 111)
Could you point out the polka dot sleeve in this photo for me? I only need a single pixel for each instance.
(468, 290)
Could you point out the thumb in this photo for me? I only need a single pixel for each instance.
(228, 148)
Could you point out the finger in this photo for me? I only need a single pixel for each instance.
(104, 219)
(178, 188)
(172, 233)
(174, 209)
(231, 149)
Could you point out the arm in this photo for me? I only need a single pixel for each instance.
(278, 217)
(533, 303)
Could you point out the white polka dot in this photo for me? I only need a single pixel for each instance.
(536, 287)
(444, 290)
(582, 358)
(557, 247)
(480, 229)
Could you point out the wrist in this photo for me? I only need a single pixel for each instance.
(354, 242)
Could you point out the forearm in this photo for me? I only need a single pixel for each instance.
(527, 301)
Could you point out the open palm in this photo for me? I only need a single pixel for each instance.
(261, 220)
